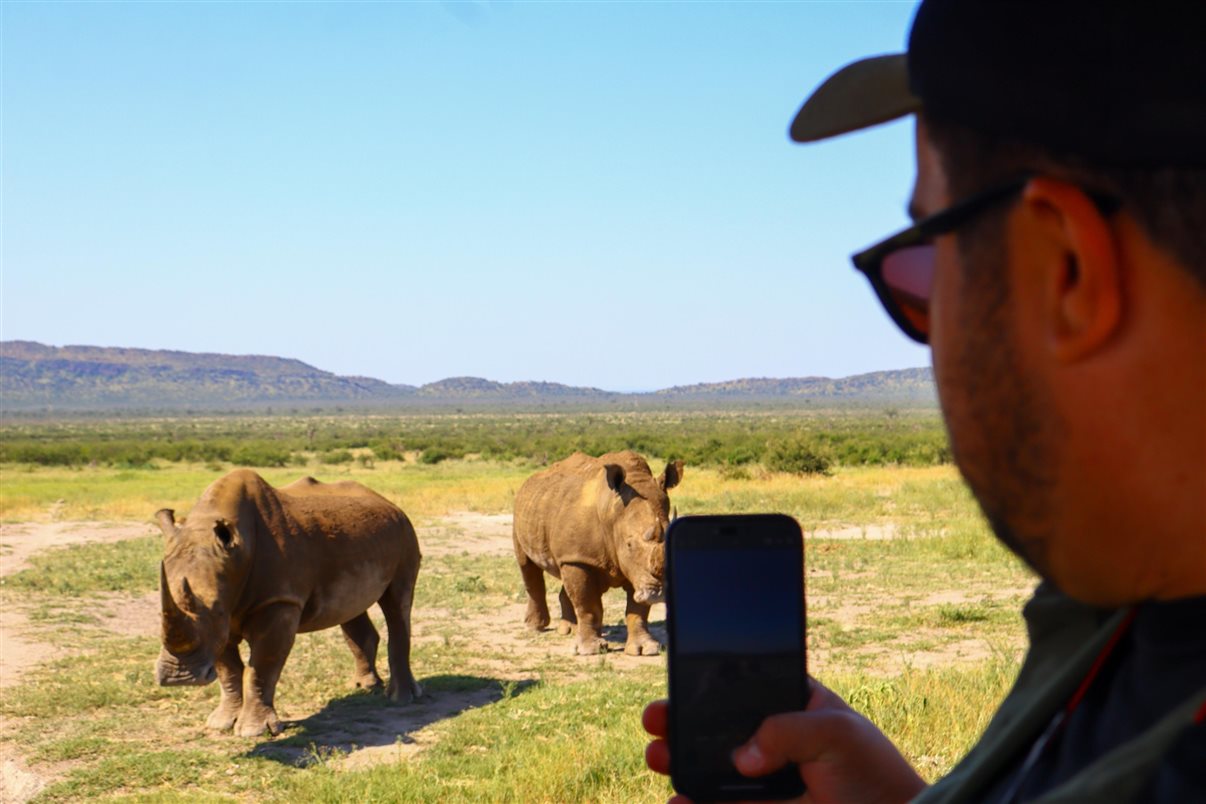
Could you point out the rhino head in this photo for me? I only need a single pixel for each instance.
(637, 508)
(205, 563)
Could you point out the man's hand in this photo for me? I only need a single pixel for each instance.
(842, 756)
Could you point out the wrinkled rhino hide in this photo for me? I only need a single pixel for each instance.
(261, 564)
(596, 523)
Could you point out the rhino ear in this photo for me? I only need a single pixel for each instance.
(166, 518)
(224, 533)
(673, 474)
(615, 476)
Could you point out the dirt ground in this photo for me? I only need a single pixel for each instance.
(361, 738)
(21, 646)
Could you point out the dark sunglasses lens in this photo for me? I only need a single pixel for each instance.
(907, 275)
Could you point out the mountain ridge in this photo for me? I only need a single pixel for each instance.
(35, 376)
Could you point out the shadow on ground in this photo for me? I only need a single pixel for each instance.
(363, 722)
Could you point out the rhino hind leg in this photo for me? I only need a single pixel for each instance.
(569, 620)
(362, 639)
(396, 604)
(230, 678)
(585, 592)
(537, 616)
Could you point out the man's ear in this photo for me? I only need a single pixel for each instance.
(1082, 288)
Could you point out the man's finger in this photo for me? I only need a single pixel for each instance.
(655, 718)
(657, 756)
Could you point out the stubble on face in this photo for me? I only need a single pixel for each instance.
(1003, 435)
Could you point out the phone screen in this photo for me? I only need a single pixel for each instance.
(735, 617)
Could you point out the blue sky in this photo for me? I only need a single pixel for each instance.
(591, 193)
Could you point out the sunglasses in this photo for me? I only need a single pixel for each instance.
(901, 268)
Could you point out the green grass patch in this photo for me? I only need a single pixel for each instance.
(933, 716)
(470, 583)
(116, 677)
(125, 566)
(579, 741)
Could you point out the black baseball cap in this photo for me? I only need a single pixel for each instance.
(1117, 82)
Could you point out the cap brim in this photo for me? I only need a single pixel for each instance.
(862, 94)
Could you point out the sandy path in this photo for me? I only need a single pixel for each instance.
(21, 646)
(19, 541)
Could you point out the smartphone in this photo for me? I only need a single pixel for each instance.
(735, 622)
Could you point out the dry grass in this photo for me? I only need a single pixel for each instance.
(921, 632)
(920, 498)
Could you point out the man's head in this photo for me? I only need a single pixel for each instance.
(1064, 293)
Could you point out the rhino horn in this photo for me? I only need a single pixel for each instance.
(186, 594)
(674, 513)
(166, 601)
(166, 518)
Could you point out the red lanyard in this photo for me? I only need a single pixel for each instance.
(1099, 662)
(1061, 717)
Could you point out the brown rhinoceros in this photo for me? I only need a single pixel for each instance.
(256, 563)
(597, 524)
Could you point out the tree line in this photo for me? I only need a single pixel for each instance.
(802, 442)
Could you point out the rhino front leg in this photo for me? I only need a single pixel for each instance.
(230, 678)
(537, 616)
(636, 616)
(586, 594)
(270, 634)
(362, 639)
(396, 604)
(568, 619)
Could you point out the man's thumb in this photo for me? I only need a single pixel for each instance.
(799, 737)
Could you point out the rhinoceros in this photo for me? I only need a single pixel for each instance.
(252, 562)
(597, 524)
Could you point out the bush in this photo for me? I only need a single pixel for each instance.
(385, 451)
(337, 456)
(797, 457)
(433, 455)
(260, 455)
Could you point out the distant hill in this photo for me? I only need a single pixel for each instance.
(39, 378)
(99, 378)
(477, 388)
(915, 384)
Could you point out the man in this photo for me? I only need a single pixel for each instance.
(1058, 271)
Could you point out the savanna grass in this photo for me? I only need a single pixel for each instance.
(104, 493)
(917, 500)
(553, 727)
